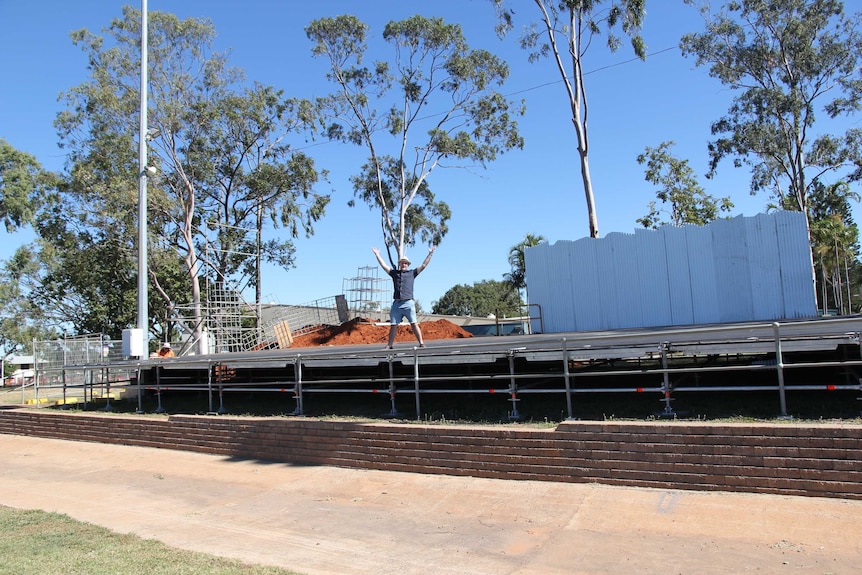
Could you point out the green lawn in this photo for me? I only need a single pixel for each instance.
(40, 543)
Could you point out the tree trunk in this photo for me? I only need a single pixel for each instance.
(193, 266)
(588, 192)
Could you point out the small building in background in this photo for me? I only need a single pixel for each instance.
(23, 373)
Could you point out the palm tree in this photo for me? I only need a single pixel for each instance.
(517, 278)
(834, 243)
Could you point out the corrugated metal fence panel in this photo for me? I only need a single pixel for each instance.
(608, 295)
(763, 266)
(675, 251)
(626, 279)
(732, 277)
(654, 288)
(567, 283)
(587, 283)
(539, 288)
(727, 271)
(556, 287)
(796, 267)
(702, 274)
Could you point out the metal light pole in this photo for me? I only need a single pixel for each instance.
(143, 303)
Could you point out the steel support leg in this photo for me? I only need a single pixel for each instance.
(108, 406)
(392, 391)
(297, 385)
(514, 415)
(567, 379)
(779, 368)
(416, 381)
(159, 408)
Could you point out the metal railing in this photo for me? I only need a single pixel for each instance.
(79, 369)
(654, 363)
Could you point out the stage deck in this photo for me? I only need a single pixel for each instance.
(819, 354)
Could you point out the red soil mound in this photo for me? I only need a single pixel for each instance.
(360, 330)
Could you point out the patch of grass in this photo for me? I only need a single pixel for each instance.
(36, 542)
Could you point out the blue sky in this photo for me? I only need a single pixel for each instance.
(537, 190)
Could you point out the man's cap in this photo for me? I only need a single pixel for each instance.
(403, 259)
(166, 345)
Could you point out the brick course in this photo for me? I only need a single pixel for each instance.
(792, 459)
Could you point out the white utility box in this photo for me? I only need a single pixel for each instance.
(133, 343)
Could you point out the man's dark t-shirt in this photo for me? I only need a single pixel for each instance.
(402, 280)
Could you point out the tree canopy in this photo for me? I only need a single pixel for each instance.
(22, 186)
(787, 62)
(21, 318)
(432, 104)
(517, 278)
(680, 194)
(225, 171)
(482, 299)
(224, 163)
(835, 247)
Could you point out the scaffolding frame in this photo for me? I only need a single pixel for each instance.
(366, 291)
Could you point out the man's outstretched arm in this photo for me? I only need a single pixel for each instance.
(425, 263)
(383, 264)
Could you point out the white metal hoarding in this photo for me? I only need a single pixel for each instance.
(739, 269)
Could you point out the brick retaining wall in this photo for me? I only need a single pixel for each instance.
(790, 459)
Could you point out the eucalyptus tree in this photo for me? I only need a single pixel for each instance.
(220, 148)
(27, 191)
(787, 62)
(22, 319)
(254, 175)
(680, 194)
(78, 273)
(565, 32)
(74, 275)
(23, 186)
(433, 104)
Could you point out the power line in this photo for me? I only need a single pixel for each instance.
(609, 66)
(614, 65)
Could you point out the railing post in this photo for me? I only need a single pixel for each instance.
(221, 408)
(392, 390)
(64, 385)
(108, 406)
(540, 318)
(567, 377)
(515, 415)
(297, 385)
(858, 338)
(140, 397)
(92, 386)
(36, 377)
(416, 381)
(668, 412)
(779, 368)
(209, 388)
(65, 403)
(159, 408)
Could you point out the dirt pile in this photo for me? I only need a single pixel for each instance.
(362, 330)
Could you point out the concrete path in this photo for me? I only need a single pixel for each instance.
(323, 520)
